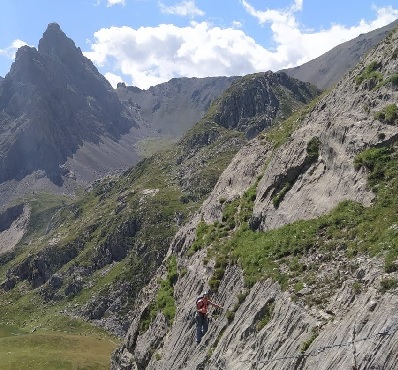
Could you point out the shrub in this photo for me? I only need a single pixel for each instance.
(388, 284)
(370, 73)
(307, 343)
(388, 115)
(313, 149)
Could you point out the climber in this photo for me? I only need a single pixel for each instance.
(202, 320)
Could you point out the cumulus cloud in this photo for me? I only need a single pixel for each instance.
(147, 56)
(151, 55)
(299, 46)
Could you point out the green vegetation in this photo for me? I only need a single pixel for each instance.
(393, 79)
(357, 287)
(277, 199)
(313, 150)
(307, 343)
(387, 284)
(54, 351)
(164, 301)
(46, 339)
(165, 298)
(150, 146)
(280, 133)
(370, 73)
(265, 315)
(388, 114)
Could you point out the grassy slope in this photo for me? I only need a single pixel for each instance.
(52, 350)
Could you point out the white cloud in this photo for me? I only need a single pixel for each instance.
(148, 56)
(237, 24)
(275, 16)
(10, 51)
(183, 8)
(115, 2)
(151, 55)
(299, 46)
(113, 79)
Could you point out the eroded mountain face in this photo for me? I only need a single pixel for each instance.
(333, 313)
(132, 218)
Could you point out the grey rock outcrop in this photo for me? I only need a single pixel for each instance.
(13, 224)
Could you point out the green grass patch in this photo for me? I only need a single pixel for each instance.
(308, 342)
(54, 351)
(150, 146)
(265, 315)
(279, 134)
(164, 301)
(388, 114)
(370, 73)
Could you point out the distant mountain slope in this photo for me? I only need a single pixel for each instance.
(330, 67)
(173, 107)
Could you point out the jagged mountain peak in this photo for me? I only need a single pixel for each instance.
(55, 43)
(55, 95)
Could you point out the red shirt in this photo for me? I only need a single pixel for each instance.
(202, 305)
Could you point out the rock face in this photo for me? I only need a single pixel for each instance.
(264, 99)
(305, 177)
(13, 223)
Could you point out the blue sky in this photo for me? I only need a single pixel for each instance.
(147, 42)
